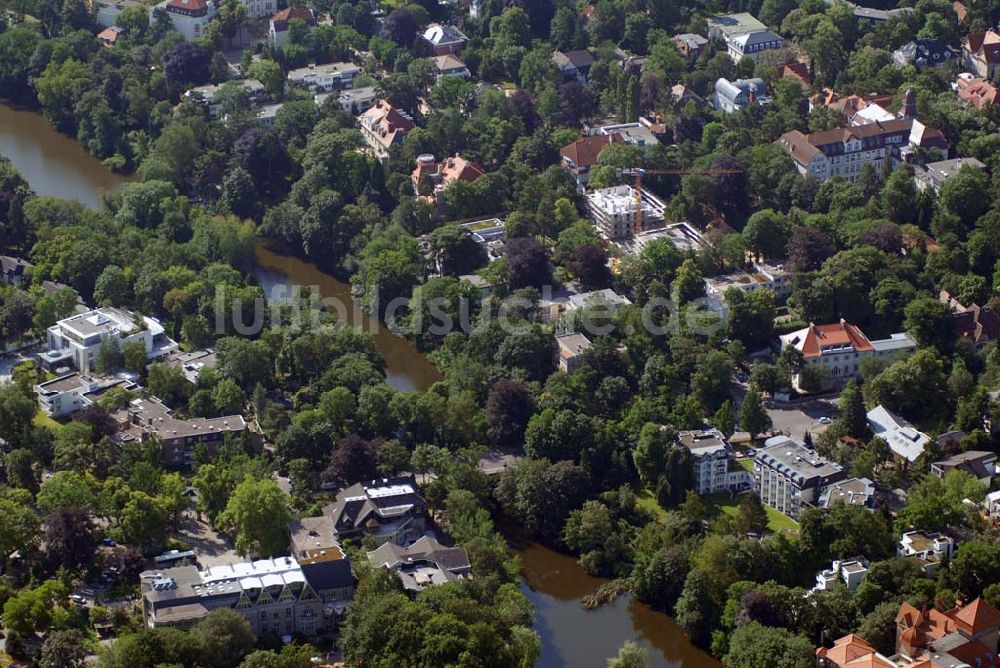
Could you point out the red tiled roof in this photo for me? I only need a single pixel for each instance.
(841, 333)
(973, 619)
(977, 617)
(189, 5)
(979, 93)
(584, 152)
(798, 71)
(110, 35)
(293, 12)
(852, 651)
(460, 169)
(988, 42)
(386, 122)
(282, 18)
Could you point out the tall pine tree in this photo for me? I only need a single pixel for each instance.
(753, 417)
(723, 419)
(853, 417)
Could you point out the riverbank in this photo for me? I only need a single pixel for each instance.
(407, 368)
(572, 636)
(53, 164)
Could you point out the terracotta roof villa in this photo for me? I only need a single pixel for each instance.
(384, 126)
(282, 18)
(963, 637)
(441, 173)
(190, 7)
(582, 154)
(839, 347)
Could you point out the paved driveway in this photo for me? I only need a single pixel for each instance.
(796, 418)
(212, 547)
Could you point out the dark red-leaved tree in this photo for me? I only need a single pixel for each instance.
(188, 63)
(807, 248)
(527, 264)
(400, 27)
(70, 538)
(590, 264)
(354, 459)
(508, 408)
(576, 103)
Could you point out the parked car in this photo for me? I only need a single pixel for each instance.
(825, 420)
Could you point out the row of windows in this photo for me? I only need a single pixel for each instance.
(762, 47)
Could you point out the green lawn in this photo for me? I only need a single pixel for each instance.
(646, 500)
(746, 463)
(43, 420)
(720, 503)
(723, 503)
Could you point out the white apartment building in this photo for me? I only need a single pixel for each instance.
(70, 393)
(845, 151)
(207, 94)
(851, 572)
(189, 17)
(789, 476)
(715, 470)
(744, 36)
(280, 596)
(324, 78)
(260, 9)
(613, 211)
(850, 492)
(840, 346)
(926, 549)
(77, 339)
(763, 276)
(353, 101)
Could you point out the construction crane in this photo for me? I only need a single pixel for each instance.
(639, 172)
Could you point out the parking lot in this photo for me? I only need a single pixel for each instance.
(796, 418)
(211, 547)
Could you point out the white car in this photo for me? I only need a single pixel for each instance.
(825, 420)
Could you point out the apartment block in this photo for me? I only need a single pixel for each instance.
(74, 392)
(851, 572)
(715, 470)
(146, 417)
(324, 78)
(278, 596)
(744, 36)
(76, 340)
(844, 152)
(926, 549)
(788, 476)
(614, 210)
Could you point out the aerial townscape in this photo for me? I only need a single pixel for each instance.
(499, 333)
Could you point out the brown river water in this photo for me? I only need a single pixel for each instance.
(572, 637)
(52, 163)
